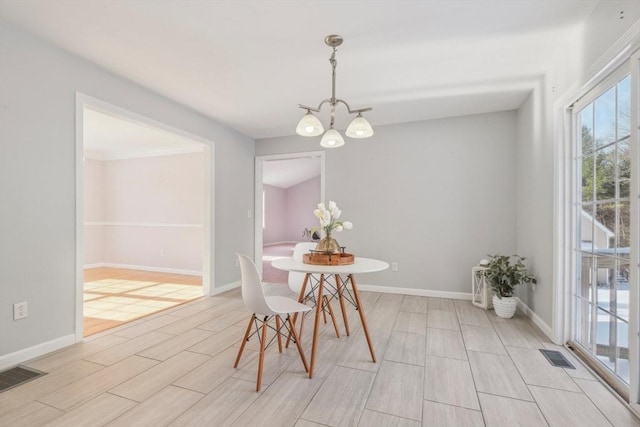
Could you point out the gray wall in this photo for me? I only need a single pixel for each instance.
(434, 196)
(37, 181)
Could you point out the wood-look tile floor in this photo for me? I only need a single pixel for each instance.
(440, 363)
(115, 296)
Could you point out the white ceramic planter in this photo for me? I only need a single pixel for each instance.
(505, 307)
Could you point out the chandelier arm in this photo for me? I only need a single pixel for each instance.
(361, 110)
(317, 110)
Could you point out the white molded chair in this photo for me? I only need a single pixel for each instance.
(296, 279)
(265, 308)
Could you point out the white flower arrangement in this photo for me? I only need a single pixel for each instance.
(329, 218)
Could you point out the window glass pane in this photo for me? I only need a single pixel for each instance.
(624, 107)
(587, 178)
(605, 277)
(605, 118)
(605, 226)
(623, 231)
(584, 288)
(622, 290)
(586, 122)
(583, 334)
(605, 173)
(624, 168)
(586, 228)
(622, 362)
(606, 332)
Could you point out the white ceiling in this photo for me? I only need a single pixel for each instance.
(249, 63)
(106, 137)
(289, 172)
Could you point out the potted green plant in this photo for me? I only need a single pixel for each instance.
(504, 273)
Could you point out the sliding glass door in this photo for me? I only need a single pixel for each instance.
(605, 292)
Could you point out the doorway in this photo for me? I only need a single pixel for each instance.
(288, 188)
(143, 219)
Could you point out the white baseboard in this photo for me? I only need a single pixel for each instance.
(284, 242)
(546, 329)
(94, 265)
(146, 268)
(12, 359)
(417, 292)
(225, 288)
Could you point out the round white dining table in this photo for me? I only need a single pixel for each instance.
(360, 266)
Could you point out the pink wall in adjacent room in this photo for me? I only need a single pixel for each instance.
(289, 211)
(162, 189)
(152, 212)
(301, 200)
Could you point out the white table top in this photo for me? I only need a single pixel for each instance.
(360, 265)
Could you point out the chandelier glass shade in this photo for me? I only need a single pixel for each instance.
(310, 125)
(332, 139)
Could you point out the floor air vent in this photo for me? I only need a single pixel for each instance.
(16, 376)
(557, 359)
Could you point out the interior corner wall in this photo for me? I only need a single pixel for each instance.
(446, 198)
(38, 85)
(274, 215)
(301, 199)
(535, 204)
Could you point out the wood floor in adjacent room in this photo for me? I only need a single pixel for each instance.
(115, 296)
(440, 363)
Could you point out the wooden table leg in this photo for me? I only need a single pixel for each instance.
(363, 318)
(342, 306)
(316, 326)
(300, 300)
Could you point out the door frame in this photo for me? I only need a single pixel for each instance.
(208, 265)
(259, 166)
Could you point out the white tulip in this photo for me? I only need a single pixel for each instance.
(336, 213)
(332, 205)
(321, 207)
(317, 213)
(347, 225)
(324, 222)
(338, 228)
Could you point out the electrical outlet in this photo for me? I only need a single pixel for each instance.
(394, 266)
(20, 310)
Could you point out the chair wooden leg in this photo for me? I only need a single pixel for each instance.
(301, 301)
(244, 341)
(342, 306)
(278, 333)
(295, 338)
(363, 319)
(301, 325)
(333, 317)
(263, 343)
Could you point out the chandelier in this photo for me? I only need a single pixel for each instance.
(309, 124)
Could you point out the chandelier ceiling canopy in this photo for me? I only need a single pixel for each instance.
(310, 125)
